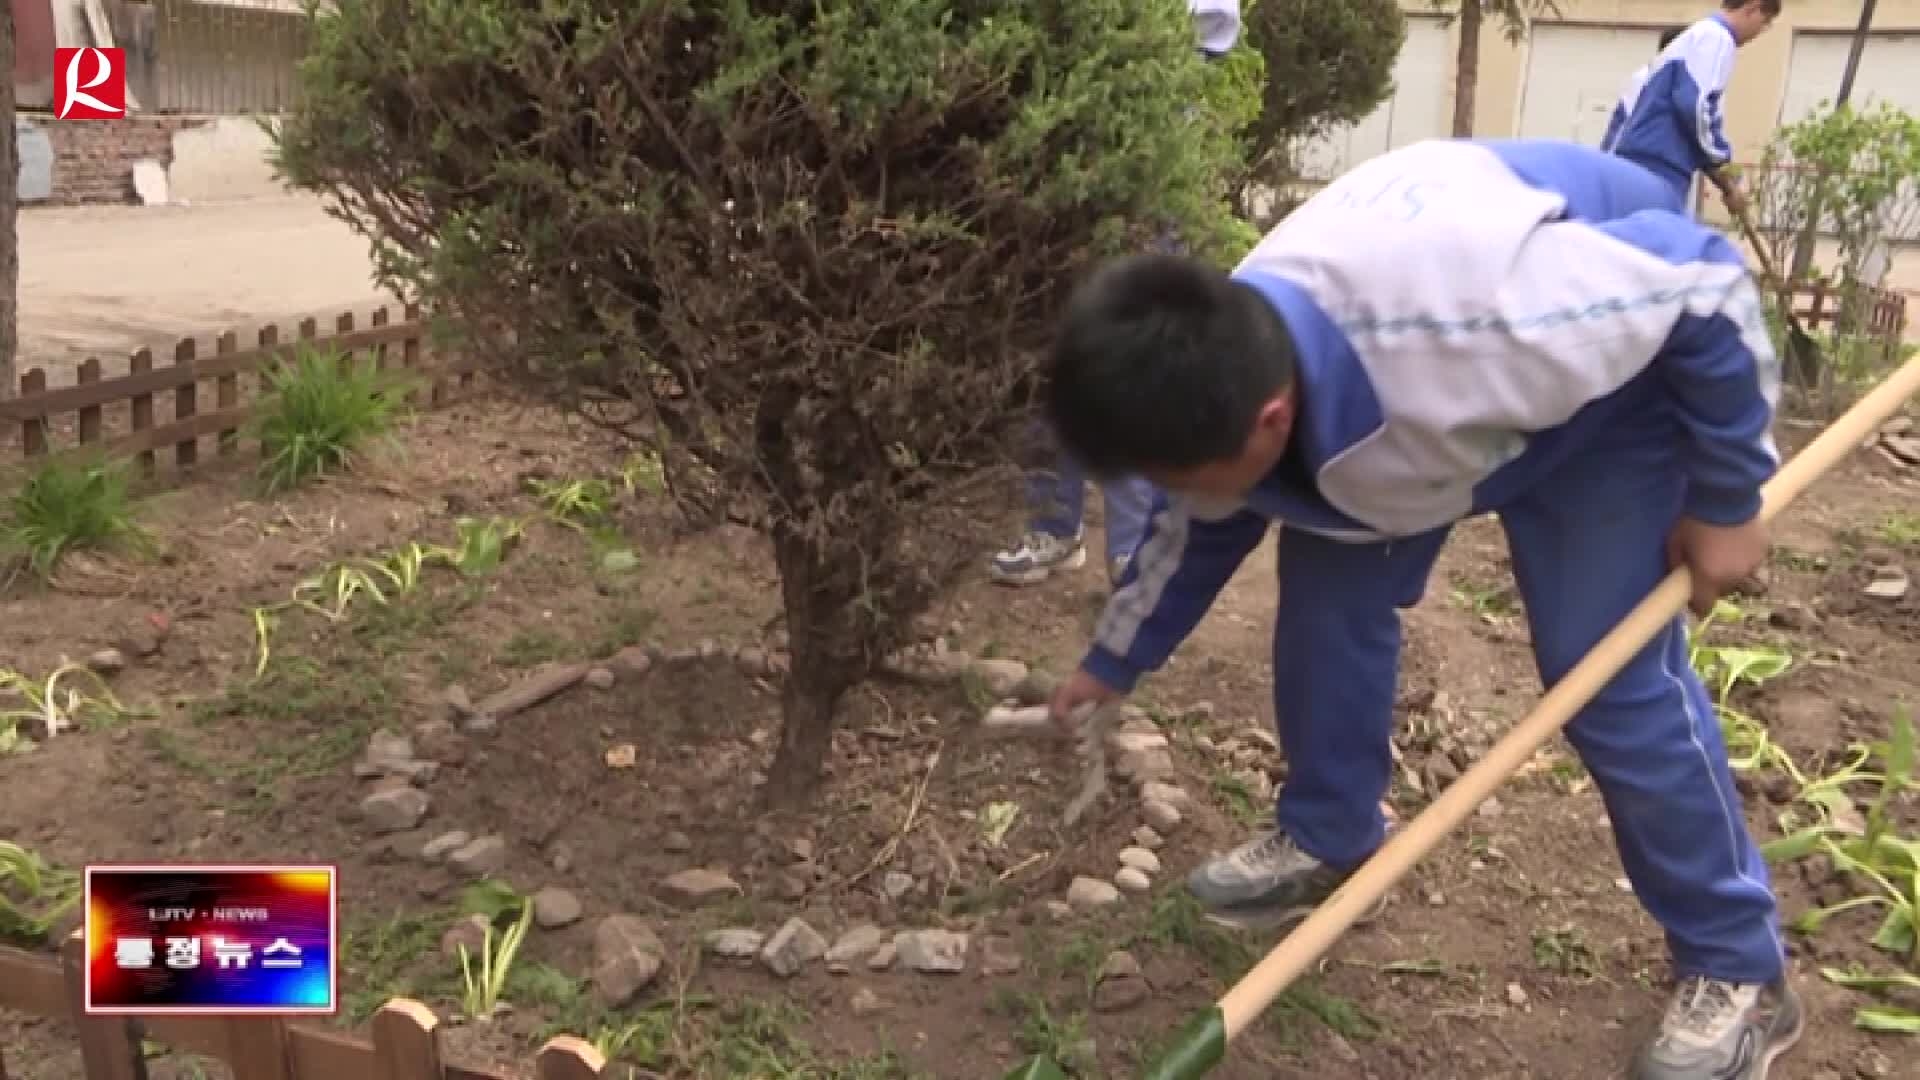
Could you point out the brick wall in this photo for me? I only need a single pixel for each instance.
(93, 159)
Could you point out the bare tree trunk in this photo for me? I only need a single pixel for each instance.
(9, 214)
(824, 667)
(1466, 68)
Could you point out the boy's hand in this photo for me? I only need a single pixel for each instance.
(1080, 689)
(1720, 556)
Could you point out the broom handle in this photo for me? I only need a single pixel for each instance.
(1300, 949)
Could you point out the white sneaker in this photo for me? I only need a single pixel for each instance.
(1037, 557)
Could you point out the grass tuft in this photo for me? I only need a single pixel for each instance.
(67, 504)
(318, 414)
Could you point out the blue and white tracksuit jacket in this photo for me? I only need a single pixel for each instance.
(1517, 327)
(1669, 119)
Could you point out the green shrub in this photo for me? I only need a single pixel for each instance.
(807, 250)
(1323, 63)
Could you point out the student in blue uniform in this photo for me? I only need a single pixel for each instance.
(1669, 119)
(1452, 329)
(1057, 497)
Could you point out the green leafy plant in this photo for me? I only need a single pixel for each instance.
(1724, 668)
(332, 593)
(481, 982)
(54, 704)
(1889, 1019)
(69, 503)
(577, 504)
(318, 413)
(33, 895)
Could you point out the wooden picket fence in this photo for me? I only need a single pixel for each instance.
(155, 413)
(405, 1043)
(1817, 303)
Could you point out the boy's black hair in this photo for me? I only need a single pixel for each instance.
(1771, 7)
(1163, 361)
(1667, 36)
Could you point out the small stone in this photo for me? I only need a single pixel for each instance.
(107, 662)
(999, 956)
(1890, 585)
(697, 886)
(1200, 712)
(800, 849)
(1001, 677)
(1490, 808)
(599, 678)
(1145, 766)
(1140, 859)
(1516, 994)
(1118, 995)
(483, 857)
(754, 662)
(1165, 793)
(404, 846)
(934, 952)
(1091, 894)
(480, 724)
(1059, 910)
(394, 809)
(626, 957)
(459, 704)
(1162, 817)
(554, 907)
(1035, 689)
(735, 944)
(883, 957)
(896, 884)
(792, 947)
(856, 944)
(676, 843)
(389, 750)
(865, 1002)
(1145, 837)
(631, 662)
(470, 932)
(437, 740)
(443, 845)
(1119, 964)
(1135, 742)
(1436, 899)
(1132, 880)
(145, 636)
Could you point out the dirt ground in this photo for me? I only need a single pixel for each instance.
(106, 280)
(1514, 952)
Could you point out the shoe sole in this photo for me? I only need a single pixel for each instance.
(1780, 1046)
(1283, 917)
(1039, 573)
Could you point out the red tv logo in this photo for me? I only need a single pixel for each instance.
(89, 84)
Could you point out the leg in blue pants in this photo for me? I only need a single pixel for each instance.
(1588, 545)
(1336, 662)
(1336, 659)
(1056, 499)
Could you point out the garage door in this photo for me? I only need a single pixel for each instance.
(1417, 109)
(1574, 76)
(1889, 72)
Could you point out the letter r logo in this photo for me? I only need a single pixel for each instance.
(89, 84)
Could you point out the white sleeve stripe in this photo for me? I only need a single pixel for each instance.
(1155, 564)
